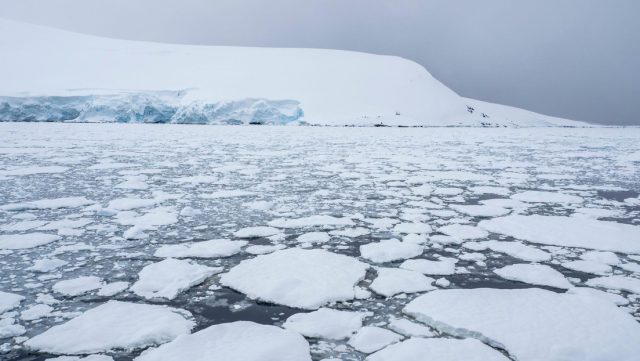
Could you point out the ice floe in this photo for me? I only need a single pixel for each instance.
(389, 250)
(441, 349)
(26, 240)
(535, 274)
(370, 339)
(214, 248)
(391, 281)
(325, 323)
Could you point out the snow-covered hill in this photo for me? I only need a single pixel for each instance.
(54, 75)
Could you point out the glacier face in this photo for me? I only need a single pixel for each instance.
(148, 107)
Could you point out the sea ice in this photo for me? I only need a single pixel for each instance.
(9, 301)
(440, 349)
(297, 278)
(527, 322)
(370, 339)
(389, 250)
(616, 282)
(214, 248)
(27, 240)
(444, 266)
(258, 231)
(568, 231)
(546, 197)
(235, 341)
(463, 231)
(391, 281)
(113, 325)
(325, 323)
(535, 274)
(78, 286)
(166, 279)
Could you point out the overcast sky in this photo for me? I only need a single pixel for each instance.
(578, 59)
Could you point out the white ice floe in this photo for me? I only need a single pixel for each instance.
(47, 264)
(112, 289)
(514, 249)
(350, 232)
(501, 191)
(412, 228)
(546, 197)
(33, 170)
(325, 323)
(166, 279)
(214, 248)
(227, 193)
(535, 274)
(391, 281)
(526, 322)
(26, 240)
(127, 204)
(113, 325)
(482, 210)
(79, 358)
(389, 250)
(235, 341)
(317, 220)
(616, 299)
(264, 248)
(609, 258)
(616, 282)
(78, 286)
(568, 232)
(370, 339)
(258, 231)
(463, 231)
(36, 312)
(9, 301)
(440, 349)
(443, 266)
(409, 328)
(297, 278)
(54, 203)
(314, 237)
(9, 328)
(593, 267)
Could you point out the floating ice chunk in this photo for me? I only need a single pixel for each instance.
(381, 223)
(78, 358)
(264, 249)
(166, 279)
(127, 204)
(546, 197)
(135, 232)
(113, 325)
(9, 301)
(22, 226)
(27, 240)
(440, 349)
(47, 264)
(255, 232)
(350, 232)
(504, 203)
(214, 248)
(415, 238)
(630, 266)
(597, 212)
(448, 191)
(534, 274)
(197, 179)
(36, 312)
(501, 191)
(412, 228)
(55, 203)
(190, 212)
(568, 232)
(33, 170)
(227, 193)
(389, 250)
(423, 190)
(463, 231)
(408, 328)
(391, 281)
(480, 210)
(325, 323)
(8, 328)
(235, 341)
(297, 278)
(607, 296)
(592, 267)
(314, 237)
(113, 288)
(616, 282)
(370, 339)
(444, 266)
(136, 182)
(609, 258)
(578, 327)
(513, 249)
(317, 220)
(111, 165)
(78, 286)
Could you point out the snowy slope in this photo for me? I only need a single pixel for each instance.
(53, 75)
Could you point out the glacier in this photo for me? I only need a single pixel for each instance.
(147, 107)
(54, 75)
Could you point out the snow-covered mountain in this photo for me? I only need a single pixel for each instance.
(54, 75)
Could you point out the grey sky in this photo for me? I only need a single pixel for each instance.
(572, 58)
